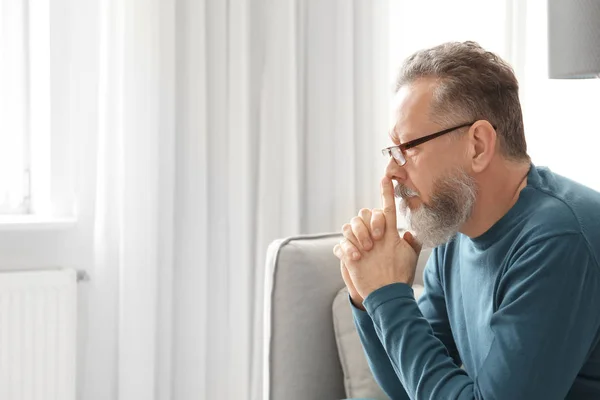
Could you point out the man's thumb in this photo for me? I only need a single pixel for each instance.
(414, 243)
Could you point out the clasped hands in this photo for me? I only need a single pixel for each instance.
(372, 253)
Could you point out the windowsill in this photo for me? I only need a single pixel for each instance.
(35, 223)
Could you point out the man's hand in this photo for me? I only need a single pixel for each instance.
(361, 232)
(368, 261)
(364, 229)
(357, 299)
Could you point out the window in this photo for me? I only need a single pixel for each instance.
(24, 103)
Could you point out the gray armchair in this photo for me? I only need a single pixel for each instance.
(301, 355)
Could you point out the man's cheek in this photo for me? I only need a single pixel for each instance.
(414, 203)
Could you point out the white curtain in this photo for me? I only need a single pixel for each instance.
(291, 113)
(127, 320)
(205, 130)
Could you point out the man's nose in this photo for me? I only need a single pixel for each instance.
(394, 171)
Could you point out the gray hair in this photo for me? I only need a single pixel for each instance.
(473, 84)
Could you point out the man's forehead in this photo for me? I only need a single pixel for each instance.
(393, 133)
(397, 114)
(410, 110)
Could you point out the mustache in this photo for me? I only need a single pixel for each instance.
(404, 192)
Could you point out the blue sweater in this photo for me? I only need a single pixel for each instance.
(517, 307)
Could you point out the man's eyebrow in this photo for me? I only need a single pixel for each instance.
(394, 136)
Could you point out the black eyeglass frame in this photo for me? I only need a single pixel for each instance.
(388, 151)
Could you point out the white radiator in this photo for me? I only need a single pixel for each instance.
(38, 322)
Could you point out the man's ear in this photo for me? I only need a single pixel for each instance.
(482, 145)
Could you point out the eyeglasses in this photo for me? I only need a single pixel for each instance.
(397, 152)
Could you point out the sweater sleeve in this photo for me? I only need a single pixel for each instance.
(544, 325)
(379, 362)
(433, 307)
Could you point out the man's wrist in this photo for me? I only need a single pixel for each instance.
(357, 304)
(386, 293)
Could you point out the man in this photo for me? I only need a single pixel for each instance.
(512, 288)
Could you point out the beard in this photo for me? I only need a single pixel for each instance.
(450, 207)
